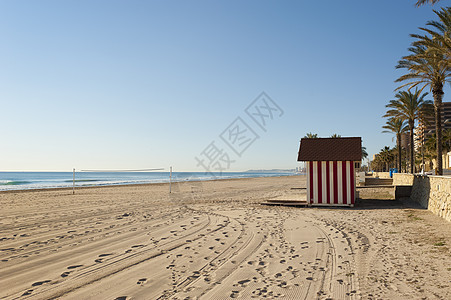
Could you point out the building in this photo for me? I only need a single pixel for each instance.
(405, 140)
(426, 129)
(330, 164)
(428, 126)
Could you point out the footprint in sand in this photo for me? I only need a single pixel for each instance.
(283, 284)
(234, 294)
(105, 254)
(74, 267)
(244, 282)
(65, 274)
(141, 281)
(8, 249)
(37, 283)
(27, 293)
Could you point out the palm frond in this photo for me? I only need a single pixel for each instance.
(422, 2)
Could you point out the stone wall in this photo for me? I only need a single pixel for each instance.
(403, 179)
(431, 192)
(381, 174)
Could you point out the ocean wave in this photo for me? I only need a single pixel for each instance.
(82, 180)
(12, 182)
(64, 180)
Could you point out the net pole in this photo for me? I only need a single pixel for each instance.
(170, 179)
(73, 182)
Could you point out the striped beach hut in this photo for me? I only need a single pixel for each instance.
(330, 167)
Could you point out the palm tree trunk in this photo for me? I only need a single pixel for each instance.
(412, 162)
(407, 159)
(437, 91)
(398, 144)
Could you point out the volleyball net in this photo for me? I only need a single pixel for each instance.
(118, 171)
(115, 171)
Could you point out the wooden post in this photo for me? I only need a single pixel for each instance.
(73, 182)
(170, 179)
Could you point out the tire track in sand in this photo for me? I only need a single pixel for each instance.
(97, 273)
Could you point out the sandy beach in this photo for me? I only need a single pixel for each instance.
(214, 240)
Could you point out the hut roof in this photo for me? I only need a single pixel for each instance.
(326, 149)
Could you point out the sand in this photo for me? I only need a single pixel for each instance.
(214, 240)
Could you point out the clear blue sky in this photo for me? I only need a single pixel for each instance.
(138, 84)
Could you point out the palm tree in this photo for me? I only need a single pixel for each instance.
(447, 140)
(335, 135)
(396, 126)
(408, 106)
(311, 135)
(429, 149)
(446, 144)
(422, 2)
(430, 145)
(386, 156)
(427, 68)
(440, 34)
(364, 153)
(376, 163)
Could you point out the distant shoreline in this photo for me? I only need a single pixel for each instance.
(135, 184)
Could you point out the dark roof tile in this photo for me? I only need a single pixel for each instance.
(327, 149)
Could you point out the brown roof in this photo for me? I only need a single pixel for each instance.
(323, 149)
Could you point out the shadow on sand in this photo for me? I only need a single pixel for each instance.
(402, 203)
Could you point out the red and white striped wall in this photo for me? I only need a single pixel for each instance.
(330, 182)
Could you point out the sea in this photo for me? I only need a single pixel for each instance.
(10, 181)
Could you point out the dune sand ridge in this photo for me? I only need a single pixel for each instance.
(213, 240)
